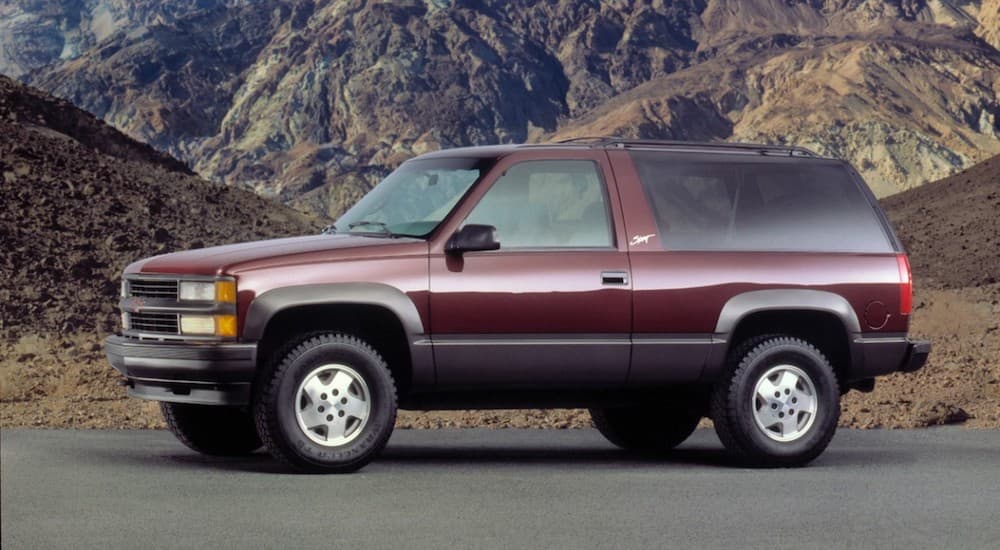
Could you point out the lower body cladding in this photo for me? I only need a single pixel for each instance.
(568, 371)
(184, 372)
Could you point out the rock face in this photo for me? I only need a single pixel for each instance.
(81, 201)
(989, 22)
(313, 101)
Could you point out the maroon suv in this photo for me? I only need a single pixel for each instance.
(654, 283)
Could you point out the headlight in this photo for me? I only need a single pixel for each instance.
(203, 292)
(219, 291)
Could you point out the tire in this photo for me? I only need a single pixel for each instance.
(326, 405)
(793, 425)
(645, 429)
(212, 430)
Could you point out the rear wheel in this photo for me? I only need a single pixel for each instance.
(327, 405)
(645, 429)
(779, 403)
(212, 430)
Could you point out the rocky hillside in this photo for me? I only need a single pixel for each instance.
(951, 228)
(46, 115)
(81, 201)
(314, 100)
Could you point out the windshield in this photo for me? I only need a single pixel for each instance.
(414, 199)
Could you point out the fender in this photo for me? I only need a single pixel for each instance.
(267, 305)
(747, 303)
(744, 304)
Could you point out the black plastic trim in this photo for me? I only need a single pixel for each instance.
(878, 354)
(916, 355)
(229, 394)
(791, 299)
(182, 361)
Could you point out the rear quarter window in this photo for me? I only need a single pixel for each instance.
(765, 205)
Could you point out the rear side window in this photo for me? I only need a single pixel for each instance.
(770, 206)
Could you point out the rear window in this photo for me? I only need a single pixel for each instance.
(775, 205)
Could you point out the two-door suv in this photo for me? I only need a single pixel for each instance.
(654, 283)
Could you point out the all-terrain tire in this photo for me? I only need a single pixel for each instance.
(750, 427)
(645, 429)
(212, 430)
(290, 417)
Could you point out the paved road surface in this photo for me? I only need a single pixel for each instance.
(506, 489)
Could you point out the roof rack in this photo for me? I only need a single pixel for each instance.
(615, 141)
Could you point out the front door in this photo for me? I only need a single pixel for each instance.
(552, 306)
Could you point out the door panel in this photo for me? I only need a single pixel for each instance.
(526, 316)
(530, 318)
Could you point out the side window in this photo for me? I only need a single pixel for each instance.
(547, 204)
(765, 206)
(692, 205)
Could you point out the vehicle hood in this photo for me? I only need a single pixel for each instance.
(234, 258)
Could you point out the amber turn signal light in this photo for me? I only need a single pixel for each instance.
(225, 292)
(225, 326)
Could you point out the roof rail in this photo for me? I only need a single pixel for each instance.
(790, 150)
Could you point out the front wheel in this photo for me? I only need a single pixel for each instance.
(212, 430)
(778, 404)
(328, 405)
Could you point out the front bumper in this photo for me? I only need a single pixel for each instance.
(184, 372)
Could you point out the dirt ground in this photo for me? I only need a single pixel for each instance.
(65, 382)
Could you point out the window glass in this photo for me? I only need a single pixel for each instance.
(774, 205)
(415, 198)
(547, 204)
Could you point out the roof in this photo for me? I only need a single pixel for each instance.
(613, 142)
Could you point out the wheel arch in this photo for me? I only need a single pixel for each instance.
(380, 314)
(742, 305)
(822, 318)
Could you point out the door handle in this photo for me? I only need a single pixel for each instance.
(614, 278)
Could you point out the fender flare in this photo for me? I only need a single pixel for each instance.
(265, 306)
(747, 303)
(740, 306)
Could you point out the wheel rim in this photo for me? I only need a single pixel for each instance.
(332, 405)
(784, 403)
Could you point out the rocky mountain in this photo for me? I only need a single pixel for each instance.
(312, 101)
(81, 201)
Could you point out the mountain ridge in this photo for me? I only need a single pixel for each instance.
(314, 101)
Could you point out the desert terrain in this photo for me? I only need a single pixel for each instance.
(81, 201)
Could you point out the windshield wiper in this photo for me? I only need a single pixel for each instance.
(384, 228)
(329, 230)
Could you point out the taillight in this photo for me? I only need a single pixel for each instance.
(905, 285)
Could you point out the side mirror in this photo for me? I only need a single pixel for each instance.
(473, 238)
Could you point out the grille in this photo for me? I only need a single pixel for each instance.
(153, 288)
(163, 323)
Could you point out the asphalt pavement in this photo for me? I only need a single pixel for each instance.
(509, 489)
